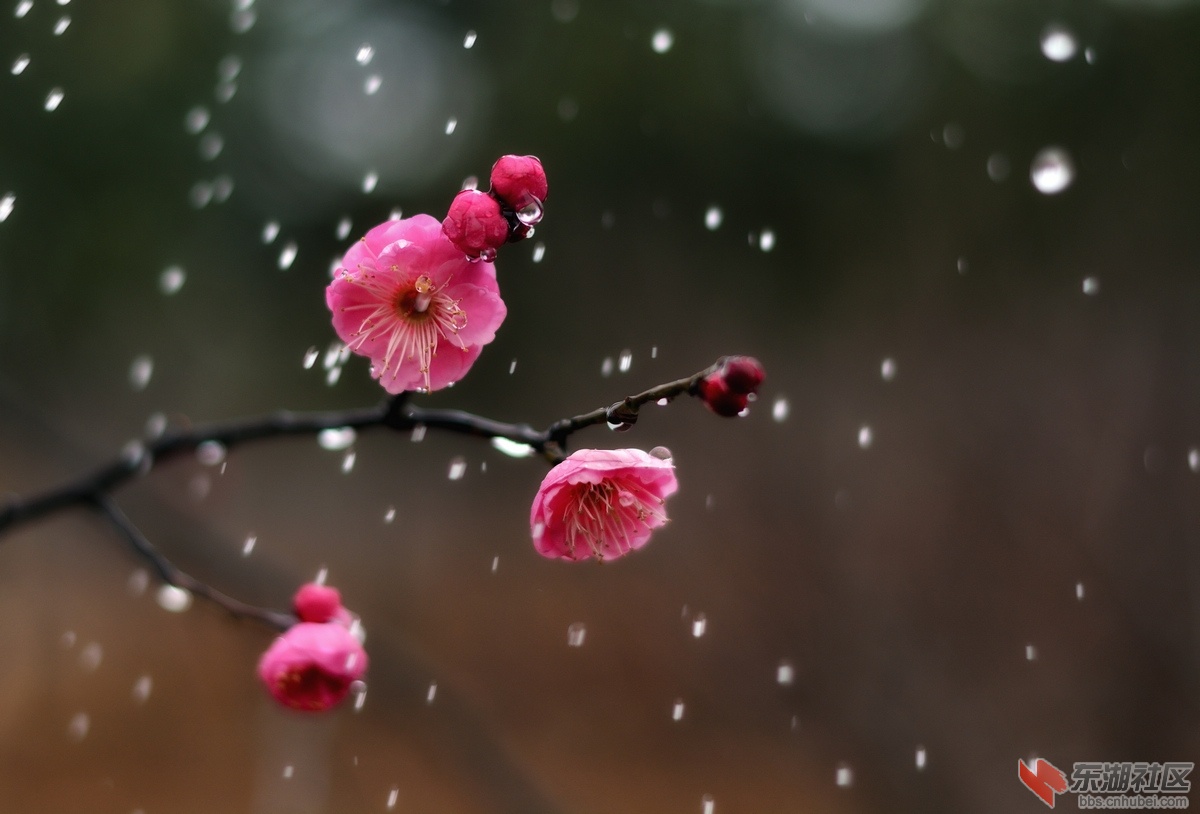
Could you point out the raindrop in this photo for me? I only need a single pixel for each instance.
(781, 409)
(469, 40)
(141, 689)
(21, 63)
(211, 145)
(248, 546)
(200, 194)
(531, 213)
(6, 206)
(288, 255)
(451, 123)
(418, 433)
(953, 135)
(359, 690)
(458, 468)
(393, 795)
(62, 24)
(371, 84)
(564, 10)
(625, 361)
(1058, 43)
(199, 487)
(156, 425)
(225, 91)
(568, 109)
(390, 514)
(513, 449)
(210, 453)
(54, 99)
(576, 633)
(1091, 286)
(222, 188)
(140, 372)
(998, 167)
(310, 357)
(90, 656)
(348, 462)
(1052, 170)
(495, 563)
(23, 8)
(270, 231)
(139, 580)
(229, 67)
(845, 777)
(539, 252)
(707, 804)
(962, 265)
(343, 228)
(77, 729)
(661, 453)
(365, 54)
(171, 280)
(370, 181)
(1089, 55)
(766, 241)
(1030, 652)
(174, 599)
(785, 674)
(713, 218)
(606, 367)
(709, 502)
(322, 575)
(887, 369)
(699, 625)
(489, 254)
(1194, 459)
(336, 438)
(336, 354)
(662, 40)
(865, 437)
(288, 771)
(1079, 591)
(677, 710)
(68, 639)
(920, 758)
(242, 21)
(431, 693)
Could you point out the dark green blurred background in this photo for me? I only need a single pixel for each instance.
(988, 552)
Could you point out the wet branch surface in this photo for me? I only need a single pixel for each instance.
(397, 413)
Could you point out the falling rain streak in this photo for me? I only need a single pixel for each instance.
(54, 99)
(576, 633)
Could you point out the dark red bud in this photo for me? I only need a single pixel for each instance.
(475, 224)
(717, 396)
(743, 374)
(520, 182)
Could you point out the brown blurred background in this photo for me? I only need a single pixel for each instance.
(958, 529)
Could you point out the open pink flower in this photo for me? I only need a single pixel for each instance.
(311, 666)
(602, 503)
(406, 298)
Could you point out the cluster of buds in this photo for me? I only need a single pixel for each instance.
(479, 223)
(730, 388)
(312, 666)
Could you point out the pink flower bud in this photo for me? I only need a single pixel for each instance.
(716, 395)
(311, 666)
(520, 182)
(727, 390)
(475, 224)
(602, 503)
(316, 603)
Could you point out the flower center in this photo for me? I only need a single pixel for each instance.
(414, 303)
(610, 514)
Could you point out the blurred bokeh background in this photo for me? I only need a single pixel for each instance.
(959, 528)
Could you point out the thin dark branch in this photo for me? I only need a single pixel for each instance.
(171, 575)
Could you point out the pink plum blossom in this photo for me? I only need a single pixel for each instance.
(311, 666)
(602, 503)
(407, 299)
(475, 224)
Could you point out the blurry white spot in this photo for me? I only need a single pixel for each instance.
(887, 369)
(663, 402)
(766, 241)
(781, 409)
(785, 674)
(139, 580)
(568, 109)
(431, 693)
(1194, 459)
(513, 449)
(845, 777)
(392, 796)
(563, 10)
(20, 64)
(141, 689)
(54, 98)
(1079, 591)
(1089, 55)
(390, 514)
(953, 135)
(677, 710)
(606, 367)
(625, 361)
(242, 21)
(495, 563)
(1058, 43)
(359, 690)
(322, 575)
(199, 487)
(608, 220)
(288, 255)
(6, 206)
(418, 433)
(709, 502)
(962, 265)
(707, 804)
(90, 656)
(713, 217)
(200, 195)
(699, 625)
(1052, 170)
(395, 214)
(336, 438)
(469, 40)
(68, 639)
(310, 357)
(1030, 652)
(270, 231)
(576, 633)
(371, 84)
(539, 251)
(222, 188)
(865, 436)
(173, 599)
(458, 468)
(77, 729)
(248, 546)
(61, 25)
(1091, 286)
(224, 91)
(140, 372)
(229, 67)
(288, 771)
(998, 167)
(348, 462)
(451, 123)
(369, 182)
(920, 758)
(23, 8)
(171, 280)
(364, 55)
(662, 40)
(343, 228)
(210, 453)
